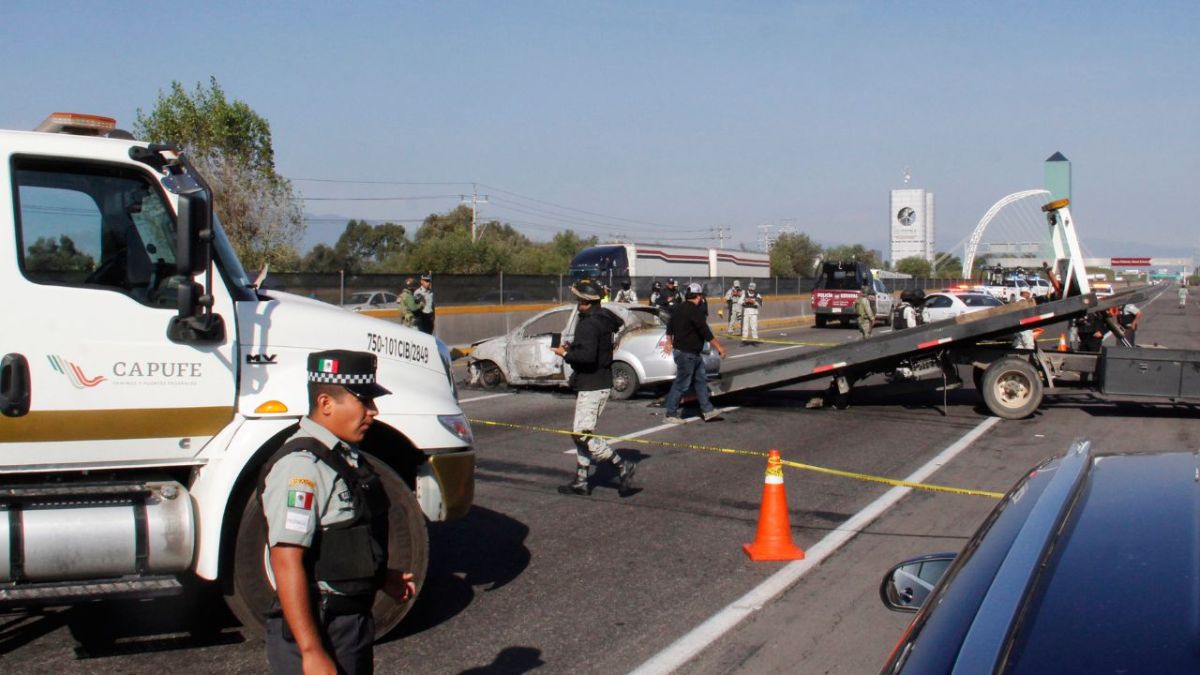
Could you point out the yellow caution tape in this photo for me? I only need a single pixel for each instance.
(754, 453)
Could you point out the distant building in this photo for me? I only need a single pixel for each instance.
(911, 224)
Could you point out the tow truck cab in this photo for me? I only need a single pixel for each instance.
(838, 287)
(145, 379)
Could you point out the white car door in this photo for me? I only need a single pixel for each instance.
(938, 307)
(89, 292)
(529, 356)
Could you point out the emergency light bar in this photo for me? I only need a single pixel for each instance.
(77, 124)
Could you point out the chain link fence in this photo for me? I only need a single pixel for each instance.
(517, 289)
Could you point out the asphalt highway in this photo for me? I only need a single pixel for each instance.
(534, 580)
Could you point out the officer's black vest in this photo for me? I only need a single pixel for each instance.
(751, 300)
(350, 556)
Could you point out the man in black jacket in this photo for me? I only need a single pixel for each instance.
(687, 331)
(590, 356)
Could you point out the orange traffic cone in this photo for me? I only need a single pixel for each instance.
(774, 538)
(1062, 342)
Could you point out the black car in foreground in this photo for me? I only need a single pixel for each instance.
(1091, 564)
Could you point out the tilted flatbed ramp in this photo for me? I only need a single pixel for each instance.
(877, 352)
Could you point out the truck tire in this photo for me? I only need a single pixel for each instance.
(625, 381)
(251, 593)
(1012, 389)
(819, 321)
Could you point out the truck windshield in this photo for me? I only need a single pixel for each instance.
(599, 262)
(228, 262)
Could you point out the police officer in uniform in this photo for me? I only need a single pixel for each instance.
(751, 304)
(326, 514)
(425, 317)
(626, 294)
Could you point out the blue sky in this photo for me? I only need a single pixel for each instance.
(663, 120)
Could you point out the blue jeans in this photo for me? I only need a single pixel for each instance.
(689, 374)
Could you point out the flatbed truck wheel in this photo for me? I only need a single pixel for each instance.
(251, 593)
(1012, 388)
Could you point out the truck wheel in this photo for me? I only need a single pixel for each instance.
(1012, 389)
(252, 594)
(819, 321)
(625, 381)
(490, 375)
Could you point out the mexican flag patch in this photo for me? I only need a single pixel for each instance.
(327, 365)
(298, 499)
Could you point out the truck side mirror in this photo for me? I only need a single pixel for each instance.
(195, 323)
(193, 233)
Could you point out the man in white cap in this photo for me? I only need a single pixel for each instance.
(751, 304)
(687, 331)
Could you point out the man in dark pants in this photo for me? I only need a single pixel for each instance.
(326, 518)
(687, 332)
(590, 356)
(425, 316)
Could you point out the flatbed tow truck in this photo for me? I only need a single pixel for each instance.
(1011, 380)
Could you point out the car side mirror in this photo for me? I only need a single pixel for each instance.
(193, 233)
(908, 584)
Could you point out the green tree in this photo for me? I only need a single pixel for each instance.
(47, 255)
(231, 145)
(794, 255)
(363, 247)
(916, 266)
(947, 266)
(853, 252)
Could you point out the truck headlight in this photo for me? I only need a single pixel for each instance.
(459, 426)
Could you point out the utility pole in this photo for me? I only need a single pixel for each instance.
(765, 239)
(722, 235)
(476, 199)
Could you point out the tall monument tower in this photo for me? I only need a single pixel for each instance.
(911, 223)
(1058, 177)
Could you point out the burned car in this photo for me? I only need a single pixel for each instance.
(523, 356)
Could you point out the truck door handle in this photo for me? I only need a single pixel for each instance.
(14, 385)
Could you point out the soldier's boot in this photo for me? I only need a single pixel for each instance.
(625, 469)
(579, 486)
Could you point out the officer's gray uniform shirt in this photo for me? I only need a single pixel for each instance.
(302, 493)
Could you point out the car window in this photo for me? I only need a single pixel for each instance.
(553, 321)
(938, 301)
(358, 299)
(388, 297)
(645, 318)
(980, 301)
(95, 226)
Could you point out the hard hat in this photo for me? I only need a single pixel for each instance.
(693, 290)
(587, 290)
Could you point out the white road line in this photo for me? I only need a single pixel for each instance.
(685, 648)
(661, 427)
(764, 351)
(484, 398)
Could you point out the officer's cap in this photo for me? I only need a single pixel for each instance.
(694, 289)
(353, 370)
(753, 286)
(737, 284)
(426, 277)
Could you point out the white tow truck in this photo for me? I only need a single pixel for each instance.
(144, 379)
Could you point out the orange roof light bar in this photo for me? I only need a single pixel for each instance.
(78, 124)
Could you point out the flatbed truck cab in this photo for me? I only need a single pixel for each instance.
(145, 379)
